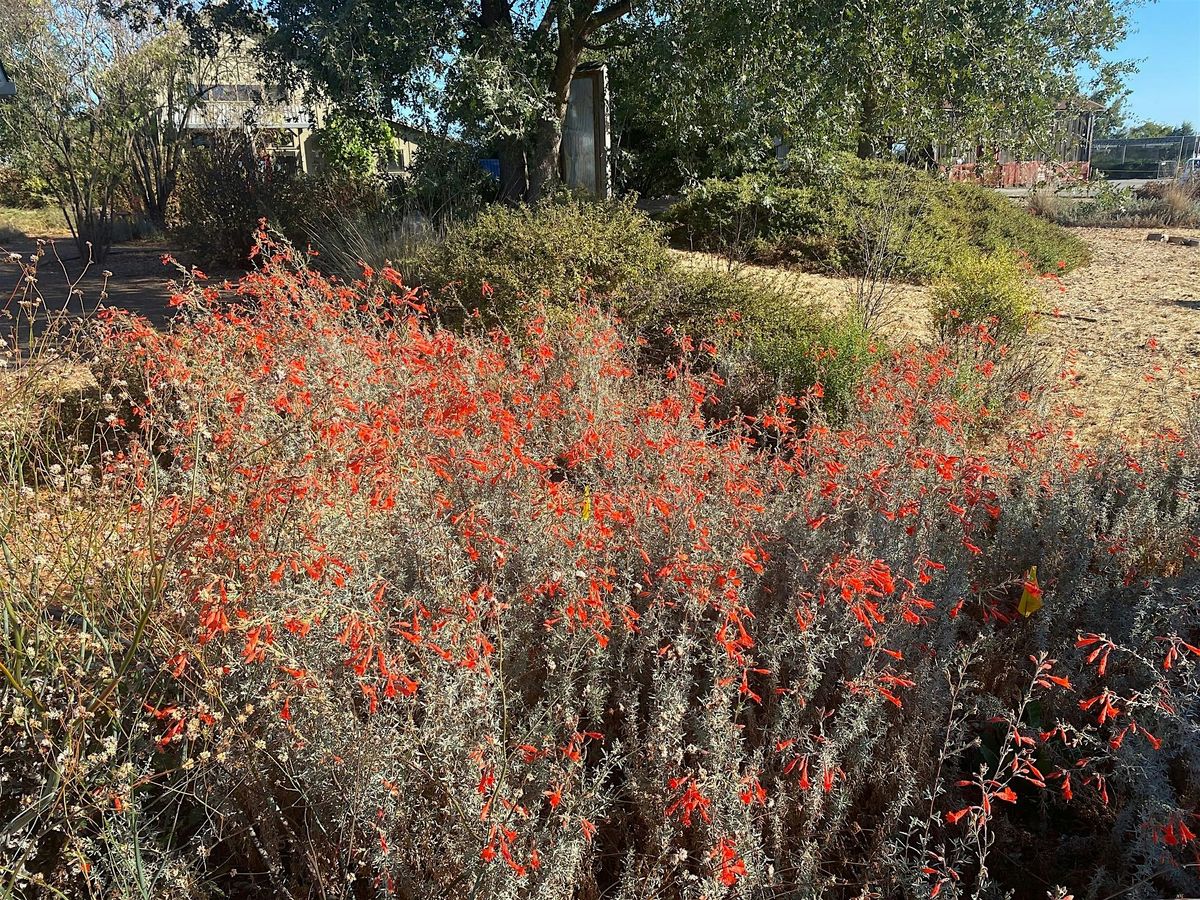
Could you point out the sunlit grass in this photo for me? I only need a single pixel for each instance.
(26, 223)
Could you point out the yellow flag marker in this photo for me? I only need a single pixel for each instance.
(586, 512)
(1031, 596)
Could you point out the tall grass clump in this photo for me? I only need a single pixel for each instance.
(396, 610)
(1154, 205)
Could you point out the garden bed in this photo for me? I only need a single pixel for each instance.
(1127, 325)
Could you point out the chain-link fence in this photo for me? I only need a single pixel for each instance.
(1160, 157)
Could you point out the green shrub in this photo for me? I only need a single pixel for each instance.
(750, 216)
(992, 223)
(987, 290)
(20, 190)
(834, 352)
(769, 339)
(508, 257)
(1156, 205)
(228, 186)
(353, 147)
(833, 218)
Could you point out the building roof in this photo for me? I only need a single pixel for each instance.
(410, 132)
(1079, 104)
(7, 87)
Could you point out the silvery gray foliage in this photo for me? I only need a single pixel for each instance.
(485, 615)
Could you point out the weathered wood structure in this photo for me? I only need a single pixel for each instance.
(1010, 160)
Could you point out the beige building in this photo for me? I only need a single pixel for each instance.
(406, 142)
(233, 96)
(230, 95)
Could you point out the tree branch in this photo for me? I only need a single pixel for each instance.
(606, 16)
(548, 16)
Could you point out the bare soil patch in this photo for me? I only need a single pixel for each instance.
(1133, 316)
(140, 280)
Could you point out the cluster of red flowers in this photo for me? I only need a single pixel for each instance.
(536, 571)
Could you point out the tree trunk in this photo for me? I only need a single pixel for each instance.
(548, 137)
(514, 177)
(867, 126)
(546, 149)
(496, 16)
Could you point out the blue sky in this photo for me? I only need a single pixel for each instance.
(1165, 36)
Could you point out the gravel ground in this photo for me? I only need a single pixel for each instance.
(1133, 318)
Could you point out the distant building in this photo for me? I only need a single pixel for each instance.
(231, 96)
(406, 143)
(1066, 154)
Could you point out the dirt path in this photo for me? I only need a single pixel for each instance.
(1134, 317)
(140, 281)
(1127, 326)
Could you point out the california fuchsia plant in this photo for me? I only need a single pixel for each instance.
(437, 614)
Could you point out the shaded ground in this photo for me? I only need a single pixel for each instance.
(140, 281)
(1126, 327)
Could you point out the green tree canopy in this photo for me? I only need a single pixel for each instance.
(700, 80)
(495, 71)
(732, 77)
(88, 86)
(1149, 129)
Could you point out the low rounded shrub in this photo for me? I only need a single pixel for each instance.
(510, 258)
(842, 214)
(985, 290)
(770, 339)
(750, 216)
(991, 223)
(513, 263)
